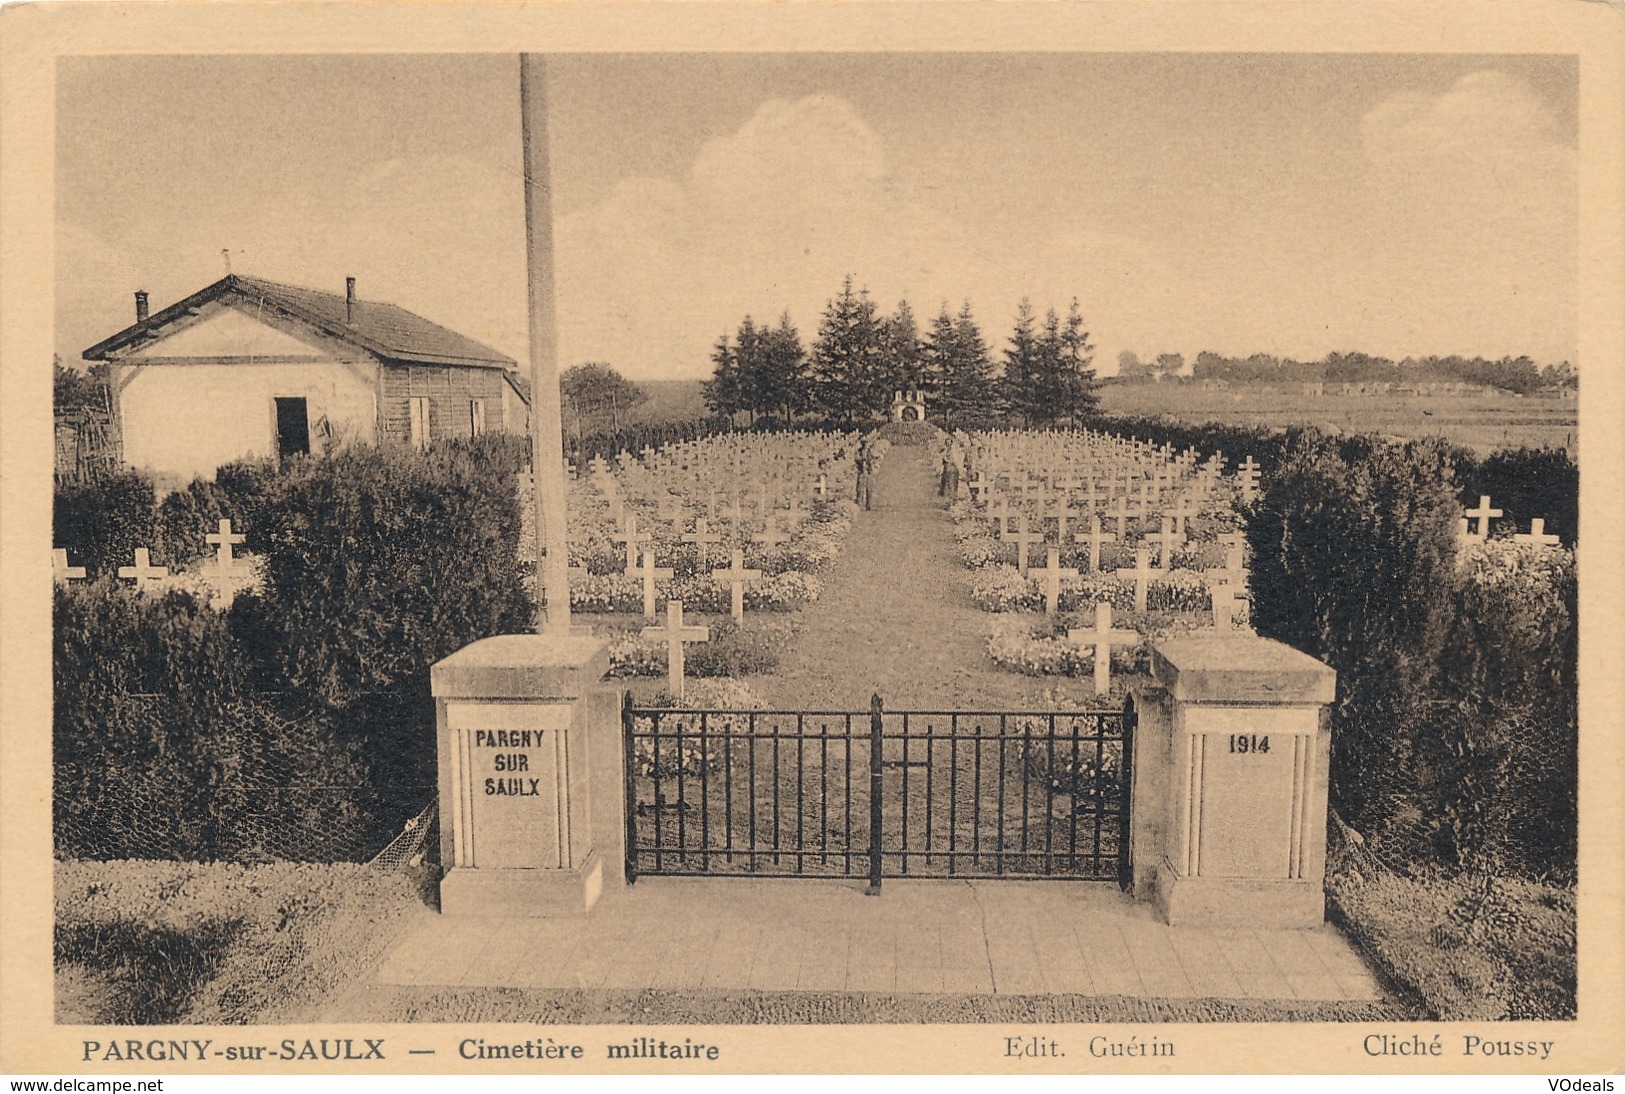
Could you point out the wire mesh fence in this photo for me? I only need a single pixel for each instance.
(255, 779)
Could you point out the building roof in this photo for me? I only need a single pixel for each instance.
(384, 330)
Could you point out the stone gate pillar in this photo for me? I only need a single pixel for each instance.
(1231, 754)
(530, 776)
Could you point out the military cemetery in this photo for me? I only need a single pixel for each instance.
(1222, 717)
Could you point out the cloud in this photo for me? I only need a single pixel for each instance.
(768, 218)
(1470, 205)
(773, 216)
(1486, 118)
(441, 236)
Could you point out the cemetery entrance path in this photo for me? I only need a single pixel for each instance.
(896, 615)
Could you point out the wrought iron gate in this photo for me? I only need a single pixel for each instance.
(876, 794)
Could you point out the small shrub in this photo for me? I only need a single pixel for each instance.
(185, 517)
(732, 651)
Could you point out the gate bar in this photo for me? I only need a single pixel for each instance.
(629, 763)
(876, 788)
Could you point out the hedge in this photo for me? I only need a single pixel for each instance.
(208, 735)
(1454, 725)
(162, 750)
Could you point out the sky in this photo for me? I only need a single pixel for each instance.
(1291, 204)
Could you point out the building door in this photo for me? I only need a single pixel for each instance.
(419, 406)
(292, 428)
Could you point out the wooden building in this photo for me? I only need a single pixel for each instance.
(250, 368)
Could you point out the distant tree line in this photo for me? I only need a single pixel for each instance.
(77, 389)
(1515, 374)
(860, 357)
(595, 397)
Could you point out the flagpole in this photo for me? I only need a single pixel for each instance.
(546, 431)
(546, 434)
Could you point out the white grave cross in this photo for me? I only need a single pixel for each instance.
(1166, 541)
(736, 577)
(1095, 537)
(1537, 534)
(770, 536)
(631, 539)
(1053, 572)
(650, 573)
(1224, 607)
(1103, 638)
(61, 571)
(1482, 514)
(1142, 573)
(1247, 476)
(675, 634)
(224, 540)
(143, 570)
(1021, 538)
(702, 537)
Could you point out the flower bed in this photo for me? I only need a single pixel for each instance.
(1035, 646)
(1001, 588)
(730, 651)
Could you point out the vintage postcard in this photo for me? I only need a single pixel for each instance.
(712, 538)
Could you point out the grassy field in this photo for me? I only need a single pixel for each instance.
(670, 401)
(1482, 422)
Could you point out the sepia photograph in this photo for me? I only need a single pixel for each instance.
(1066, 548)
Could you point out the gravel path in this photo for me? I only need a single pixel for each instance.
(896, 616)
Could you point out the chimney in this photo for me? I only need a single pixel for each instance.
(140, 306)
(349, 300)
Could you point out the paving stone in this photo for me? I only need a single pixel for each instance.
(1159, 969)
(734, 973)
(585, 972)
(919, 979)
(1314, 987)
(630, 977)
(1293, 953)
(921, 946)
(1019, 979)
(1244, 952)
(446, 965)
(1363, 987)
(1119, 980)
(1069, 979)
(822, 977)
(871, 976)
(1264, 985)
(967, 979)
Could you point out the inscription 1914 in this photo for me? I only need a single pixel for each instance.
(1245, 743)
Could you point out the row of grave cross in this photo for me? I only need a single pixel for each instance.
(702, 537)
(1233, 576)
(1098, 465)
(676, 635)
(1166, 542)
(223, 540)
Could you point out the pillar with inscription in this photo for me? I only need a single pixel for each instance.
(1229, 800)
(530, 758)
